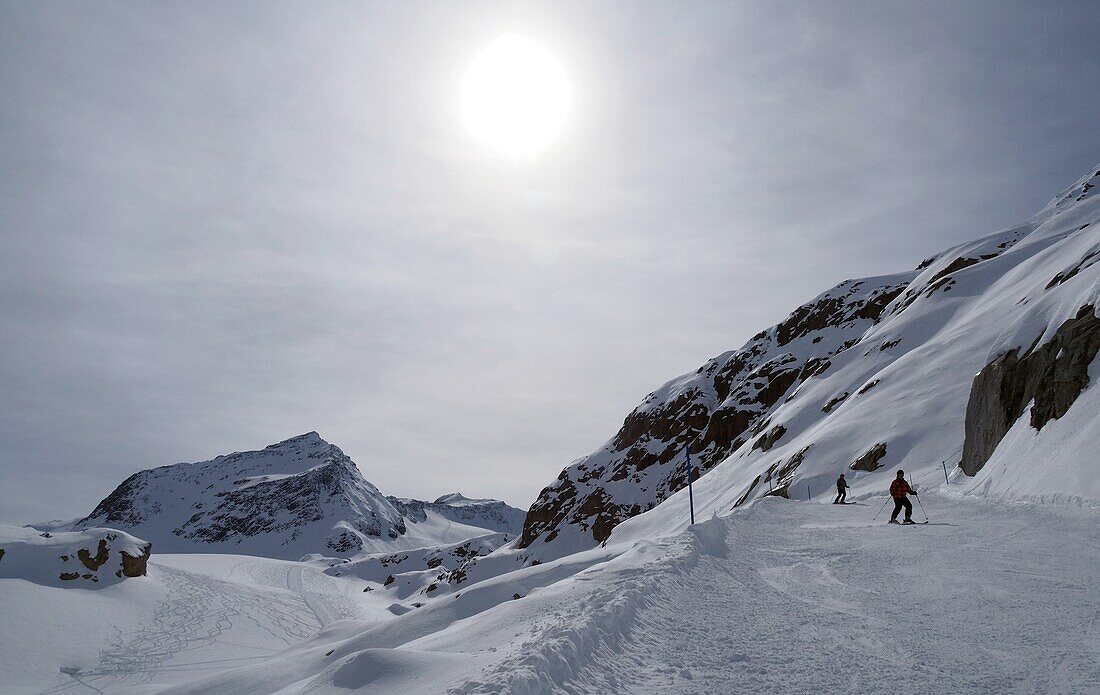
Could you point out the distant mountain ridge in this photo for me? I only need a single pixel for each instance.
(297, 497)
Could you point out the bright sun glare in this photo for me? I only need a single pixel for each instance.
(515, 96)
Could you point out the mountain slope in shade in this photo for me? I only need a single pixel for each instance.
(873, 375)
(300, 496)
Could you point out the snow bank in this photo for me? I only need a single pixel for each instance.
(96, 556)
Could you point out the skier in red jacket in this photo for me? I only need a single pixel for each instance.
(898, 490)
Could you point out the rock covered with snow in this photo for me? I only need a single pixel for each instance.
(94, 556)
(299, 496)
(495, 515)
(922, 370)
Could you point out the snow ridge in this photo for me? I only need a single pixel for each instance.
(558, 658)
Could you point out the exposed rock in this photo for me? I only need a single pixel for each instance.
(783, 473)
(834, 402)
(745, 496)
(870, 460)
(93, 563)
(1052, 375)
(137, 565)
(1091, 257)
(767, 441)
(955, 266)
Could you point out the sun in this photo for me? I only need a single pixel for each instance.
(515, 96)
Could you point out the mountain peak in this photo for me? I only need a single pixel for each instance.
(452, 498)
(307, 438)
(1082, 188)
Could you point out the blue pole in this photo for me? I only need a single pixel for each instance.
(691, 495)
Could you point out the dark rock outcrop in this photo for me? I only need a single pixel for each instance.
(782, 473)
(869, 461)
(768, 440)
(93, 563)
(834, 402)
(1051, 375)
(136, 566)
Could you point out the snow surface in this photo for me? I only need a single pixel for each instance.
(192, 615)
(781, 596)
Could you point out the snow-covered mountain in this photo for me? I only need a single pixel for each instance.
(483, 513)
(923, 369)
(300, 496)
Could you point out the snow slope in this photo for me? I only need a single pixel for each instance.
(300, 496)
(780, 596)
(917, 370)
(192, 615)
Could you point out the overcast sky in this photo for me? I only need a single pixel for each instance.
(225, 224)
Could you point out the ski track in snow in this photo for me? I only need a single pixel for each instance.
(985, 603)
(200, 609)
(818, 598)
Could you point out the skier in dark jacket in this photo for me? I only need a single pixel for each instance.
(898, 490)
(841, 489)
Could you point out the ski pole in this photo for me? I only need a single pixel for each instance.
(883, 507)
(921, 508)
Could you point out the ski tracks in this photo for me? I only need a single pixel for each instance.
(988, 605)
(200, 611)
